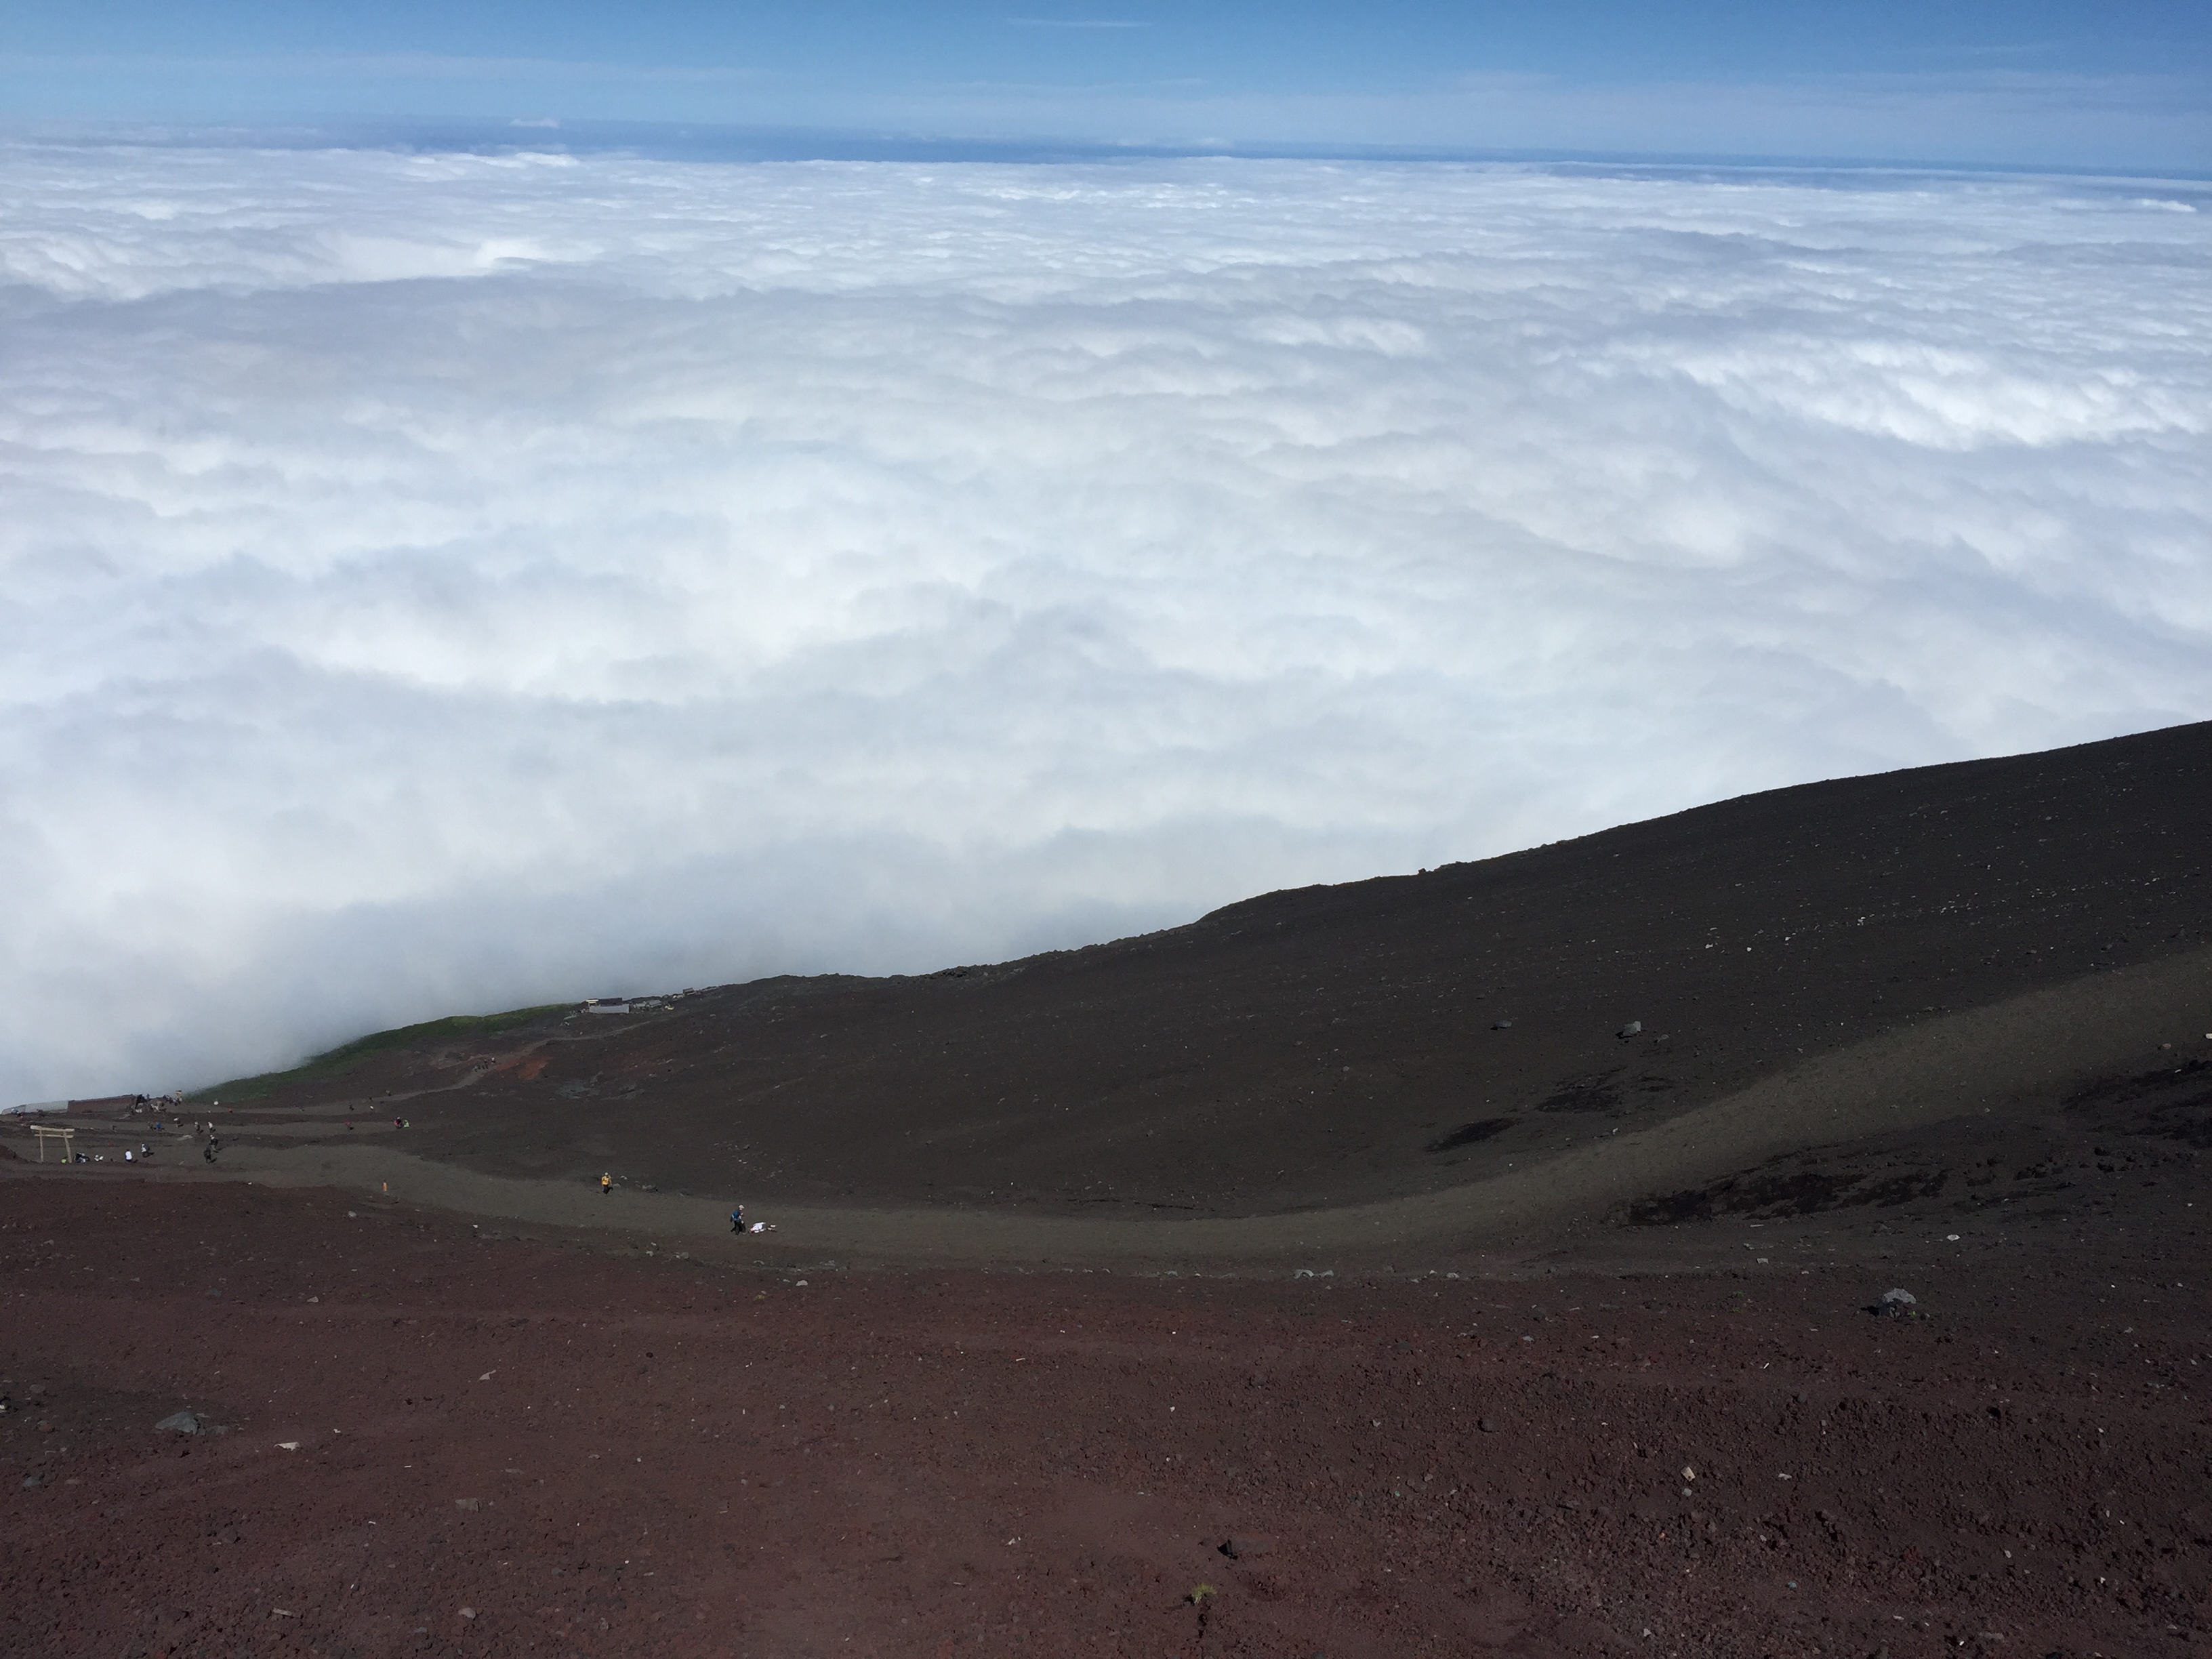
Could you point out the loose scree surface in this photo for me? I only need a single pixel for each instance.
(1483, 1260)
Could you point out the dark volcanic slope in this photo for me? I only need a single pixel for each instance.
(1341, 1044)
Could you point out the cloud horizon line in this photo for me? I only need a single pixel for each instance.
(727, 143)
(2124, 122)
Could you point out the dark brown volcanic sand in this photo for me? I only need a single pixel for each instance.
(1944, 1031)
(1336, 1045)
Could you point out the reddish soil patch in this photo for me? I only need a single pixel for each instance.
(519, 1447)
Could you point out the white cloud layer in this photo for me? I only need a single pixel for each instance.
(439, 583)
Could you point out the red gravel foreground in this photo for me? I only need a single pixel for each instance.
(440, 1446)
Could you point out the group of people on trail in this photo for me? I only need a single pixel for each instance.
(738, 1223)
(143, 1154)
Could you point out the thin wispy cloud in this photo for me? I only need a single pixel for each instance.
(1969, 111)
(444, 581)
(1995, 50)
(386, 66)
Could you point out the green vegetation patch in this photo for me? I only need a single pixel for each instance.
(348, 1056)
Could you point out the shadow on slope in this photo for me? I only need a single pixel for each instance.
(1386, 1040)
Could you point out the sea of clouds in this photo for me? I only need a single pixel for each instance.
(448, 582)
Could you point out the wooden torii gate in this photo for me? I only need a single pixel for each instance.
(46, 1133)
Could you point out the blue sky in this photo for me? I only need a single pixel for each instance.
(2061, 83)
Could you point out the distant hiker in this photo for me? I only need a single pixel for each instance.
(606, 1185)
(738, 1219)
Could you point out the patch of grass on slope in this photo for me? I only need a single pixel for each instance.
(348, 1056)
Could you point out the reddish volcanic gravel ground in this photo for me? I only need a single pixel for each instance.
(516, 1448)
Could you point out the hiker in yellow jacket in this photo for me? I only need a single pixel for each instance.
(606, 1185)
